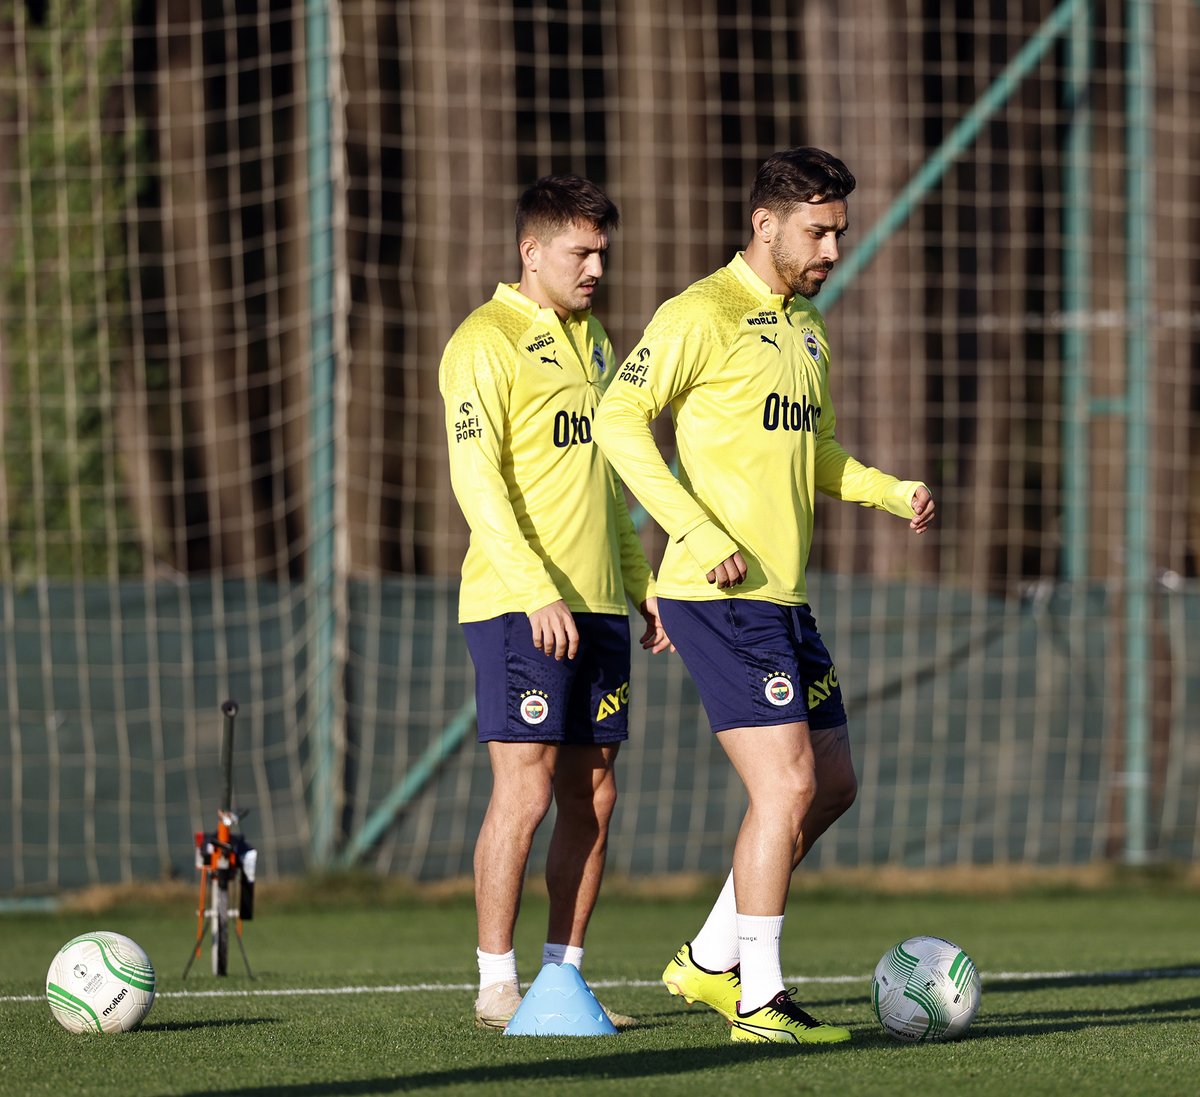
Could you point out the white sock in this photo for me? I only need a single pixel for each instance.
(762, 977)
(496, 967)
(562, 954)
(715, 947)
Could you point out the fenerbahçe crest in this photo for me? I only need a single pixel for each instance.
(779, 689)
(535, 706)
(811, 345)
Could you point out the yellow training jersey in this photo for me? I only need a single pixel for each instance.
(746, 375)
(547, 515)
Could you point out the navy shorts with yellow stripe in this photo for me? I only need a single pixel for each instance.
(756, 664)
(523, 695)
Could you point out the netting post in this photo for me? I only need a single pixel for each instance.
(1077, 296)
(323, 797)
(1138, 76)
(415, 780)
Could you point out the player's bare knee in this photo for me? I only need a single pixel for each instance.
(521, 806)
(790, 795)
(605, 800)
(838, 795)
(590, 802)
(835, 796)
(602, 796)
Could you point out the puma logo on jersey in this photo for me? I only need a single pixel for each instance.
(769, 339)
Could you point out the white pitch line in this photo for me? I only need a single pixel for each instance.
(605, 984)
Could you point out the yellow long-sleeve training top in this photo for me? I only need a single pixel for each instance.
(746, 375)
(547, 515)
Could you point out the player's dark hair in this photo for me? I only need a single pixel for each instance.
(798, 175)
(556, 202)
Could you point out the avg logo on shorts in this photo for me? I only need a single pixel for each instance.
(821, 691)
(535, 706)
(779, 689)
(610, 703)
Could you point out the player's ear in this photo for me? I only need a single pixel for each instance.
(764, 224)
(529, 253)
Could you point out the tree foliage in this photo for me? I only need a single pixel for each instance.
(66, 289)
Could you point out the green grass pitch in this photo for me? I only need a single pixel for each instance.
(1084, 992)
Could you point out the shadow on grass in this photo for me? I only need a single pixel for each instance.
(1082, 979)
(191, 1026)
(636, 1064)
(684, 1061)
(656, 1063)
(1040, 1020)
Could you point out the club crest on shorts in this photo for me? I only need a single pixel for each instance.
(535, 706)
(779, 689)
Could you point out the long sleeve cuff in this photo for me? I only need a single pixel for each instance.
(708, 545)
(898, 498)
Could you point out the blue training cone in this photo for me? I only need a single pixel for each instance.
(559, 1003)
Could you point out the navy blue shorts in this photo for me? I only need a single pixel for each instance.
(755, 663)
(523, 695)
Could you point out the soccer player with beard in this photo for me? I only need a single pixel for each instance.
(742, 359)
(552, 560)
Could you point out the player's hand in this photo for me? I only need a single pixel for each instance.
(655, 638)
(554, 630)
(923, 509)
(729, 573)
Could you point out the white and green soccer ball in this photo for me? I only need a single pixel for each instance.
(100, 982)
(925, 988)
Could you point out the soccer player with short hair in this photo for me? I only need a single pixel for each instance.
(742, 359)
(553, 557)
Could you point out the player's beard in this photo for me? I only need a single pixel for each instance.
(794, 274)
(584, 299)
(574, 300)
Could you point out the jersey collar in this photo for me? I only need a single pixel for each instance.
(789, 306)
(742, 271)
(508, 294)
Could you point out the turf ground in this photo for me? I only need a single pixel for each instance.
(364, 991)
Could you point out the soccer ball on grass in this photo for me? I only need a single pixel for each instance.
(100, 982)
(925, 988)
